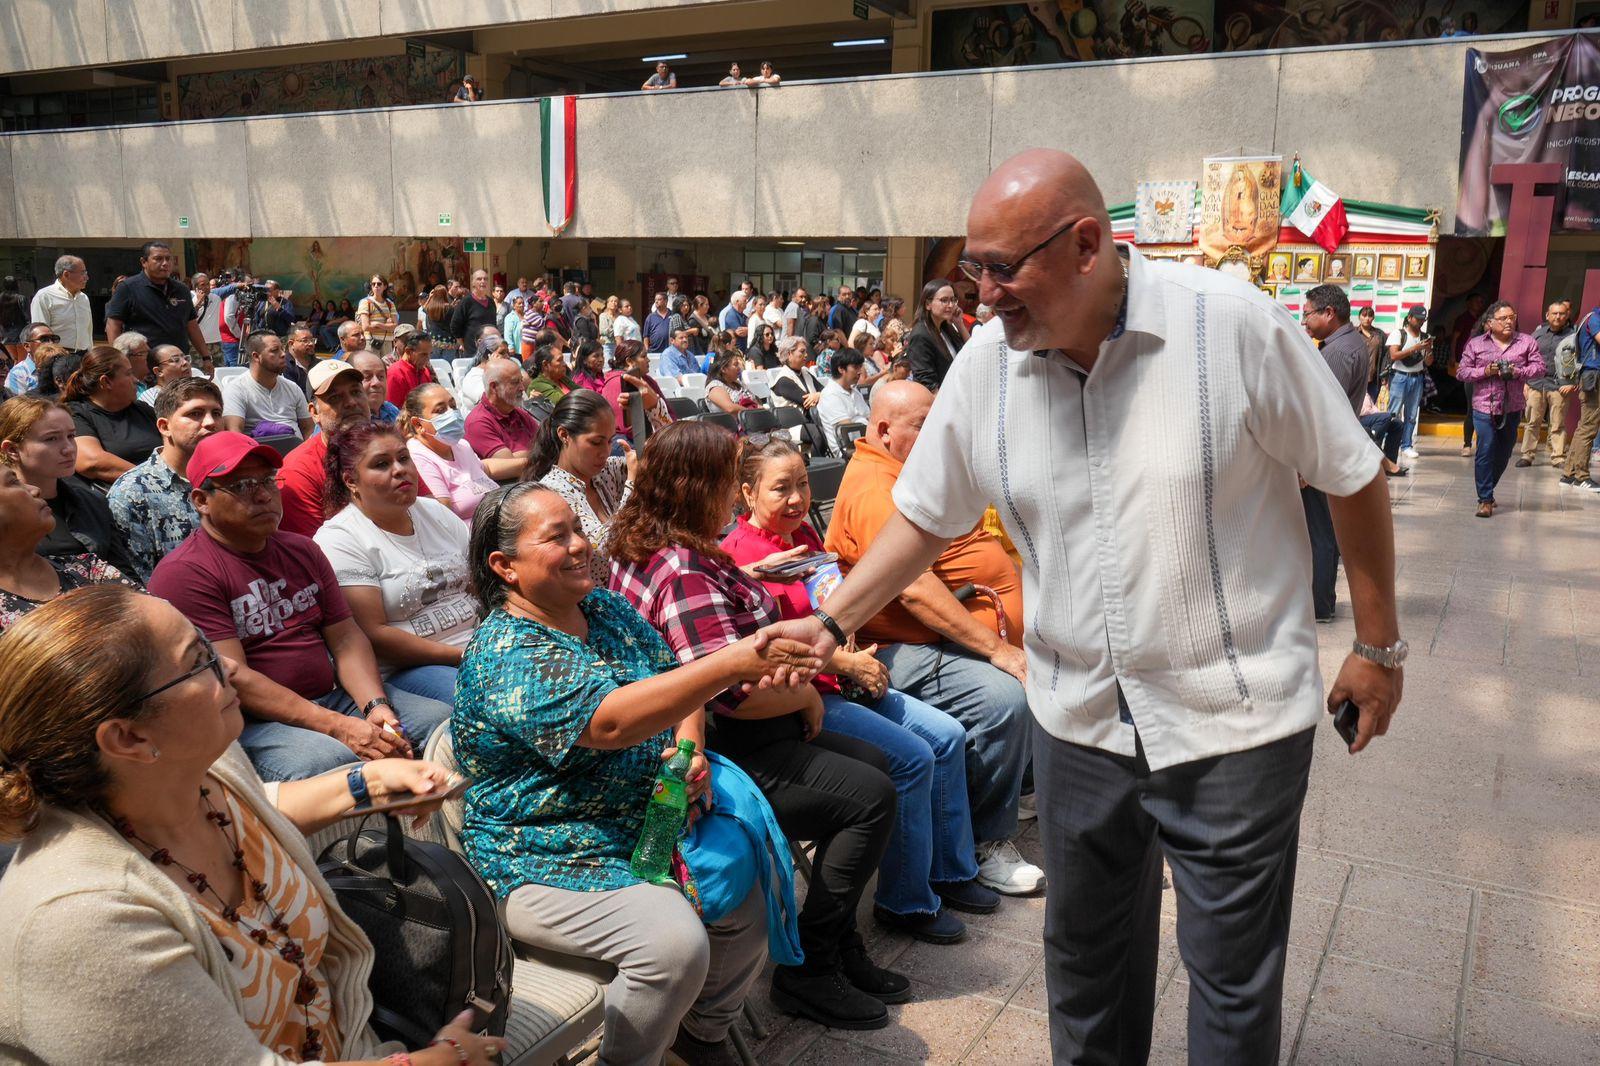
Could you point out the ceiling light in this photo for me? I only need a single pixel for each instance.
(861, 43)
(793, 244)
(663, 59)
(847, 248)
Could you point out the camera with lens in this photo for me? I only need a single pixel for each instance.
(1505, 368)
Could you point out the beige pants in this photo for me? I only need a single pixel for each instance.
(1548, 409)
(670, 967)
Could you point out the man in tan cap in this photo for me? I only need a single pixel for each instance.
(337, 399)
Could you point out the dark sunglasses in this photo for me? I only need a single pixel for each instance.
(1004, 273)
(209, 661)
(47, 338)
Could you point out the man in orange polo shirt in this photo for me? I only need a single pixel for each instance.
(960, 656)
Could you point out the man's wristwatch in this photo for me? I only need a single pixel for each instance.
(1389, 658)
(831, 626)
(358, 784)
(376, 702)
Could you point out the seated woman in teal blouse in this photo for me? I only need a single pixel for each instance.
(565, 700)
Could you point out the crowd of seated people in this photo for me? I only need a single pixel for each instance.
(496, 563)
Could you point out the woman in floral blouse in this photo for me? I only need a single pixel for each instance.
(565, 703)
(573, 457)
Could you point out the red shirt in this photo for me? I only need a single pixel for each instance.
(750, 544)
(402, 378)
(488, 431)
(303, 484)
(276, 603)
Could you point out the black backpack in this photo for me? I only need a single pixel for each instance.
(435, 927)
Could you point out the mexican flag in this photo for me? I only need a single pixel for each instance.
(1314, 209)
(558, 158)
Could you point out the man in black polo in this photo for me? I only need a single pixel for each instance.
(1327, 319)
(152, 303)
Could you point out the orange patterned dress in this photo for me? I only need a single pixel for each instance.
(267, 981)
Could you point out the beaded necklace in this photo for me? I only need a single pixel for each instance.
(306, 989)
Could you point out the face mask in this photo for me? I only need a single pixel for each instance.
(449, 426)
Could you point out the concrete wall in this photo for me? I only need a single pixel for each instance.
(889, 157)
(50, 34)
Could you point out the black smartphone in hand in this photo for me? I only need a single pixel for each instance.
(1345, 721)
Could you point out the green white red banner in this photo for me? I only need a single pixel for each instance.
(558, 151)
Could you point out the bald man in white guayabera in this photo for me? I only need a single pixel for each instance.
(1140, 426)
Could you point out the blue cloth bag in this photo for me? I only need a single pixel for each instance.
(732, 847)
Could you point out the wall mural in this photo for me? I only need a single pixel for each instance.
(338, 84)
(337, 267)
(1068, 31)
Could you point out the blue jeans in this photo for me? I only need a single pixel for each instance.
(230, 353)
(1497, 438)
(1405, 400)
(283, 752)
(991, 706)
(926, 752)
(1385, 430)
(431, 682)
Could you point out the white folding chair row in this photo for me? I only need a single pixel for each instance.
(758, 387)
(665, 379)
(443, 374)
(693, 392)
(459, 368)
(758, 374)
(668, 386)
(690, 380)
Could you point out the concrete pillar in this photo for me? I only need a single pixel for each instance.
(902, 269)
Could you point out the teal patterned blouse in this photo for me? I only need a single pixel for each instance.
(541, 809)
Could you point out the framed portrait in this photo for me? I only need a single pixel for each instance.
(1416, 268)
(1280, 265)
(1364, 266)
(1389, 267)
(1308, 266)
(1337, 268)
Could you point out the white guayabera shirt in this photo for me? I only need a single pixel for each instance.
(1157, 511)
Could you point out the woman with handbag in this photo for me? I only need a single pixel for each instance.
(164, 901)
(565, 704)
(930, 859)
(378, 315)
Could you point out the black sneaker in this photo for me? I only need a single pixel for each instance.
(885, 986)
(1568, 479)
(1524, 462)
(827, 999)
(940, 927)
(968, 896)
(693, 1050)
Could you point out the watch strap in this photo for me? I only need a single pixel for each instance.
(358, 783)
(831, 626)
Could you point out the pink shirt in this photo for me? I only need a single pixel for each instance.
(1499, 395)
(750, 544)
(459, 481)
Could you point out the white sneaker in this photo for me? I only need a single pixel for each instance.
(1027, 807)
(1002, 868)
(1410, 453)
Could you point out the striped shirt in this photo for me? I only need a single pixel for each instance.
(1155, 505)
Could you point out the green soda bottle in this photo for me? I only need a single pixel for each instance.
(663, 819)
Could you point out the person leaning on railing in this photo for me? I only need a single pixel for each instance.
(164, 904)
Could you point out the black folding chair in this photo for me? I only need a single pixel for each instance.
(683, 407)
(283, 443)
(758, 420)
(789, 417)
(723, 419)
(826, 476)
(847, 433)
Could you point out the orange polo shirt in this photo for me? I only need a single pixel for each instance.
(865, 504)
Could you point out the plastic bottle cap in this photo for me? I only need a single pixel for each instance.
(686, 746)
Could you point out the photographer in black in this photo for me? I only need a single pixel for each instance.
(273, 312)
(1497, 364)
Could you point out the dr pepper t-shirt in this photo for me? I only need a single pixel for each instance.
(275, 602)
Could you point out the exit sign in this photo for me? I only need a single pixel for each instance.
(479, 245)
(444, 218)
(183, 221)
(860, 9)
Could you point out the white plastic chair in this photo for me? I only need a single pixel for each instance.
(690, 380)
(665, 379)
(223, 373)
(442, 371)
(669, 386)
(752, 376)
(758, 387)
(693, 392)
(459, 368)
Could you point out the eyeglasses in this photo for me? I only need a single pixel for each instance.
(1005, 273)
(249, 486)
(47, 338)
(208, 661)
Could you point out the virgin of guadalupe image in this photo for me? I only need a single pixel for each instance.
(1240, 204)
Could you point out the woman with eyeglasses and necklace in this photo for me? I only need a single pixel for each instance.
(435, 432)
(162, 897)
(401, 560)
(937, 336)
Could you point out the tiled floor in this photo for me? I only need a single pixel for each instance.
(1448, 895)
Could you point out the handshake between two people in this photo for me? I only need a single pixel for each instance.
(784, 655)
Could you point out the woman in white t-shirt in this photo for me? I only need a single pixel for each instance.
(433, 428)
(401, 561)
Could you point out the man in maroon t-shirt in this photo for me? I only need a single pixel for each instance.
(308, 681)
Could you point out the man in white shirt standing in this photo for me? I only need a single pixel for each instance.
(64, 306)
(1171, 651)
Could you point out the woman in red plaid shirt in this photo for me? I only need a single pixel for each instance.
(824, 787)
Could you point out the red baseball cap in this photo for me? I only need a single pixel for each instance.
(221, 453)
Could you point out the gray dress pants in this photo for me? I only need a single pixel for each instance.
(670, 967)
(1228, 827)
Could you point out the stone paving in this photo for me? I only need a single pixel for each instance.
(1447, 909)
